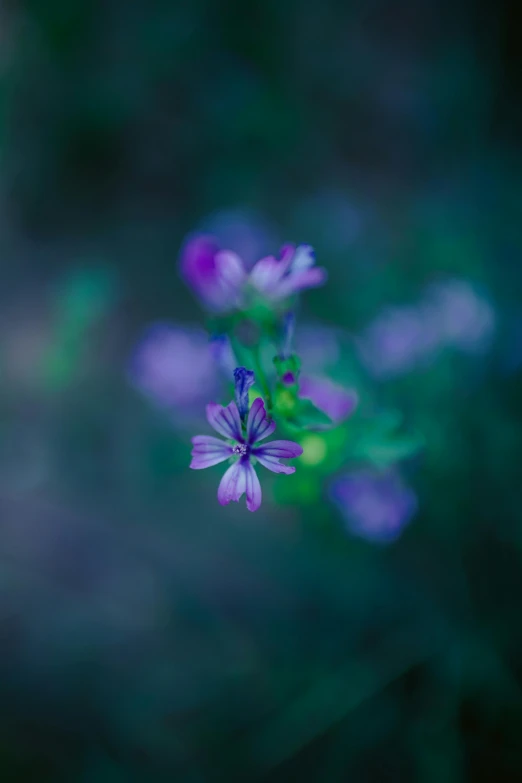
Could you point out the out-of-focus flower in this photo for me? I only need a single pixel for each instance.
(280, 278)
(174, 366)
(450, 314)
(397, 341)
(220, 279)
(337, 402)
(465, 319)
(375, 506)
(215, 275)
(242, 449)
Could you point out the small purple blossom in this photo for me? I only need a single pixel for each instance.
(294, 271)
(375, 506)
(241, 447)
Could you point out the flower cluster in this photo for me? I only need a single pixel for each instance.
(253, 334)
(222, 282)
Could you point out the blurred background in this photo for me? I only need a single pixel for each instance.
(365, 624)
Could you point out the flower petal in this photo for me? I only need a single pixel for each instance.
(273, 464)
(286, 449)
(230, 268)
(233, 483)
(266, 273)
(306, 278)
(304, 258)
(253, 488)
(208, 451)
(287, 252)
(258, 424)
(226, 421)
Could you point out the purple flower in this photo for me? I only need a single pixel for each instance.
(217, 276)
(241, 477)
(173, 366)
(220, 279)
(376, 506)
(398, 340)
(465, 319)
(337, 402)
(279, 278)
(450, 314)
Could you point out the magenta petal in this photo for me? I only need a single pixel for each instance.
(198, 260)
(226, 421)
(287, 252)
(208, 451)
(273, 464)
(253, 488)
(233, 483)
(258, 424)
(285, 449)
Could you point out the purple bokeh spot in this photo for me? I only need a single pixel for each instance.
(375, 506)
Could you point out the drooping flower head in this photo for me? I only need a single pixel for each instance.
(241, 447)
(376, 506)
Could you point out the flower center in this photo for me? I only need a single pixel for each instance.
(241, 449)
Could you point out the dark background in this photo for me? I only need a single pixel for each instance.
(147, 634)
